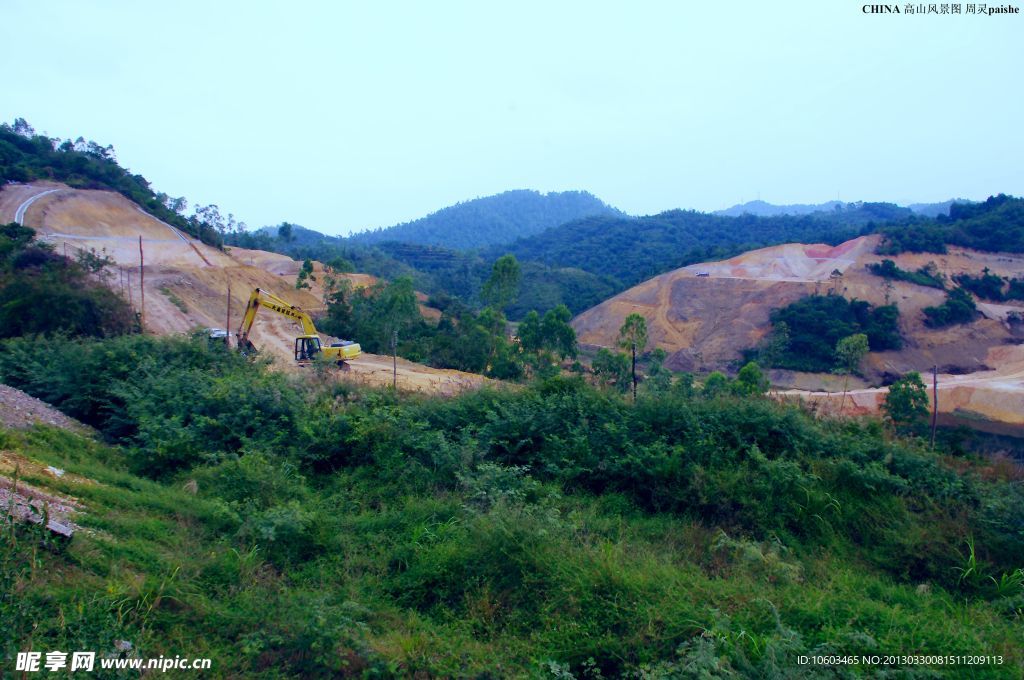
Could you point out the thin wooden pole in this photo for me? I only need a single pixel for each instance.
(935, 400)
(131, 303)
(394, 360)
(142, 286)
(634, 372)
(227, 326)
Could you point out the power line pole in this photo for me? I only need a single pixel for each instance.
(142, 288)
(227, 327)
(394, 360)
(633, 345)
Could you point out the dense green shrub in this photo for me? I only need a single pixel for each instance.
(924, 276)
(996, 225)
(815, 325)
(42, 293)
(551, 526)
(958, 308)
(989, 286)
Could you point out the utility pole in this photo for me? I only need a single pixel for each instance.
(935, 400)
(633, 345)
(394, 360)
(227, 327)
(142, 284)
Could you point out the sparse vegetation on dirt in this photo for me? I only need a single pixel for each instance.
(925, 276)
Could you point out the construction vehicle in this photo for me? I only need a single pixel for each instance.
(307, 345)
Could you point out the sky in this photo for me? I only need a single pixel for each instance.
(342, 116)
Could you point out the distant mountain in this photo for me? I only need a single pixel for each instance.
(492, 220)
(936, 209)
(765, 209)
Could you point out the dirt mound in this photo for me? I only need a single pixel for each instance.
(992, 401)
(18, 409)
(704, 315)
(186, 281)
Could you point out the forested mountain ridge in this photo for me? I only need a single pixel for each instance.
(996, 225)
(630, 250)
(492, 220)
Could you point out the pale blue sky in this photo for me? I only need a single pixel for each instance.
(347, 115)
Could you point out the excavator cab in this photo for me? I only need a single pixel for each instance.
(306, 347)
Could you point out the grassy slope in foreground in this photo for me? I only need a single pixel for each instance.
(273, 576)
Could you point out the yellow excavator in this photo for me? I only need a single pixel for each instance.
(307, 345)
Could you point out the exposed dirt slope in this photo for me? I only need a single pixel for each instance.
(704, 315)
(18, 409)
(186, 281)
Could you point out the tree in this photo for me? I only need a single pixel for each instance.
(888, 287)
(750, 381)
(209, 216)
(612, 369)
(502, 288)
(305, 275)
(633, 336)
(531, 336)
(836, 277)
(553, 335)
(775, 344)
(850, 351)
(284, 232)
(558, 336)
(715, 384)
(907, 401)
(659, 378)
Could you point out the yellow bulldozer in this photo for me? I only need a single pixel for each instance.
(307, 345)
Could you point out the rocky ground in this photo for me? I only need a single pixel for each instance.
(18, 410)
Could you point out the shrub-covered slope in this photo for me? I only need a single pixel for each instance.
(291, 529)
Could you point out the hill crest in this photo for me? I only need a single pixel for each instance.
(492, 220)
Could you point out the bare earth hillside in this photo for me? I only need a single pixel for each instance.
(704, 315)
(186, 281)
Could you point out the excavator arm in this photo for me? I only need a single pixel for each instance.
(262, 298)
(305, 343)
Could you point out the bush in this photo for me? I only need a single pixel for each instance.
(816, 324)
(958, 308)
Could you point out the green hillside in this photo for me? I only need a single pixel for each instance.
(26, 157)
(996, 225)
(291, 528)
(492, 220)
(631, 250)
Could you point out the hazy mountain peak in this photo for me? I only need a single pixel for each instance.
(492, 220)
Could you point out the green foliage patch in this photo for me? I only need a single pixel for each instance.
(811, 329)
(294, 529)
(43, 293)
(924, 276)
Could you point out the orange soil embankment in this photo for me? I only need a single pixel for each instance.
(705, 315)
(186, 281)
